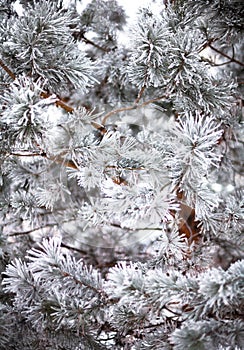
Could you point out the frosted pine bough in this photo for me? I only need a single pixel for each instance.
(113, 233)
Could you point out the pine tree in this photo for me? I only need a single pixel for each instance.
(121, 176)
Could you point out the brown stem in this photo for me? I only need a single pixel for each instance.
(173, 312)
(207, 43)
(136, 229)
(83, 252)
(115, 111)
(56, 159)
(19, 154)
(83, 283)
(134, 106)
(140, 94)
(231, 59)
(59, 103)
(213, 64)
(59, 160)
(20, 233)
(7, 70)
(88, 41)
(43, 94)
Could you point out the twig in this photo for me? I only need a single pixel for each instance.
(56, 159)
(88, 41)
(115, 111)
(134, 106)
(7, 70)
(173, 312)
(43, 94)
(231, 59)
(20, 233)
(140, 94)
(207, 43)
(66, 163)
(213, 64)
(59, 103)
(83, 252)
(136, 229)
(20, 154)
(83, 283)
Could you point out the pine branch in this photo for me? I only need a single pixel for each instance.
(58, 102)
(150, 288)
(213, 64)
(136, 229)
(82, 283)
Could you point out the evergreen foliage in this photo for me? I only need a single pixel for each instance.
(121, 176)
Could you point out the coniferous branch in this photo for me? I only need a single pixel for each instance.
(125, 235)
(43, 94)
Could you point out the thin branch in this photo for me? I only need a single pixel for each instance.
(115, 111)
(231, 59)
(213, 64)
(43, 94)
(154, 325)
(125, 168)
(83, 283)
(51, 224)
(59, 103)
(88, 41)
(56, 159)
(19, 154)
(7, 70)
(135, 229)
(140, 94)
(83, 252)
(62, 161)
(207, 43)
(173, 312)
(221, 64)
(20, 233)
(134, 106)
